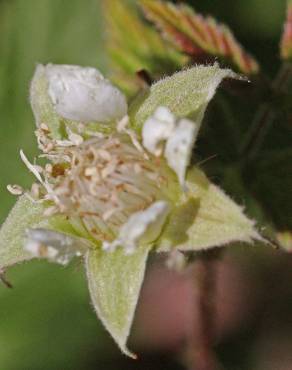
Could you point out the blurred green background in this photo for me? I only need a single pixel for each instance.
(46, 321)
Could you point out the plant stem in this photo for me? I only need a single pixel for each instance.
(263, 121)
(200, 343)
(265, 116)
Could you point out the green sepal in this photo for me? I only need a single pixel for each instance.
(204, 218)
(186, 94)
(25, 215)
(115, 281)
(41, 104)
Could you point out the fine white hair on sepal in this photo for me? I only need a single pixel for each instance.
(162, 132)
(178, 149)
(142, 227)
(83, 94)
(54, 246)
(158, 128)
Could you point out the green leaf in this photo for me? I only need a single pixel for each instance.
(186, 94)
(195, 35)
(136, 46)
(115, 281)
(205, 217)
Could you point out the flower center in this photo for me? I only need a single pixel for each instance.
(102, 181)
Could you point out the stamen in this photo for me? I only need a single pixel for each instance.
(31, 167)
(15, 189)
(100, 182)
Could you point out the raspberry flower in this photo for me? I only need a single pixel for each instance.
(118, 182)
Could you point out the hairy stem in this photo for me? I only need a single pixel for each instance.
(201, 355)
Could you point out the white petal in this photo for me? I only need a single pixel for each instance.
(54, 246)
(179, 136)
(179, 146)
(156, 129)
(82, 94)
(142, 228)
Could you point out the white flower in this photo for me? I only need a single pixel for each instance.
(109, 188)
(83, 94)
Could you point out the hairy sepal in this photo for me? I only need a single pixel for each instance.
(185, 94)
(25, 215)
(115, 281)
(205, 218)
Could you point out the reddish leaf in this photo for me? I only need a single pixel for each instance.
(195, 35)
(133, 46)
(286, 42)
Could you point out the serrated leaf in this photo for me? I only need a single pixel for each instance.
(205, 218)
(286, 41)
(136, 46)
(115, 281)
(186, 94)
(194, 34)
